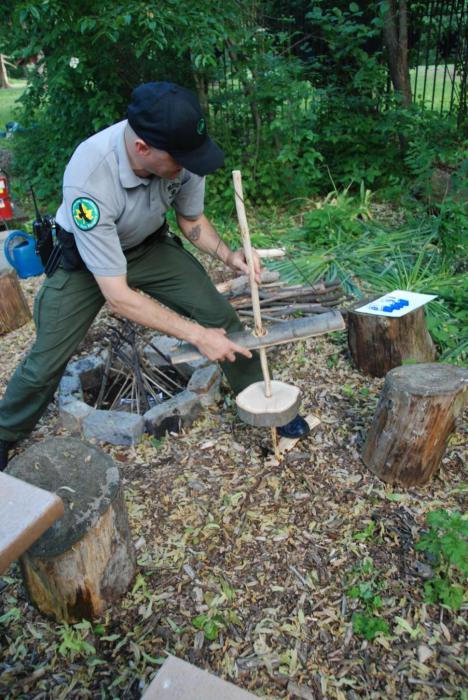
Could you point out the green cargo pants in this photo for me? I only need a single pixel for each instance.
(68, 302)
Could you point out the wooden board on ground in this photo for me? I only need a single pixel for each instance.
(179, 680)
(287, 444)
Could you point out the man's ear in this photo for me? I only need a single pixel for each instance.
(141, 147)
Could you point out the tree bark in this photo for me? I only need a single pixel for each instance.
(4, 82)
(380, 343)
(417, 412)
(14, 309)
(86, 561)
(396, 38)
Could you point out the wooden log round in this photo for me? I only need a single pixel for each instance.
(261, 411)
(86, 560)
(14, 309)
(416, 413)
(380, 343)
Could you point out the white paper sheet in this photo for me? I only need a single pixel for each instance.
(391, 301)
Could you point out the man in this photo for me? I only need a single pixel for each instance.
(112, 228)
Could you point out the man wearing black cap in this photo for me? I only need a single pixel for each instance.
(117, 188)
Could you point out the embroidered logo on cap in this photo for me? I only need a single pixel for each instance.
(85, 213)
(201, 127)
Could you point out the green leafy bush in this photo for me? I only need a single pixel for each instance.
(446, 544)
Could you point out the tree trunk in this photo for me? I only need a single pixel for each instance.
(396, 39)
(417, 412)
(380, 343)
(14, 309)
(86, 561)
(4, 82)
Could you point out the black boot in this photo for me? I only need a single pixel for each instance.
(296, 428)
(5, 447)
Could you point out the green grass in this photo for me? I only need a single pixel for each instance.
(434, 84)
(7, 101)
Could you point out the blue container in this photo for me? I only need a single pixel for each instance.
(20, 251)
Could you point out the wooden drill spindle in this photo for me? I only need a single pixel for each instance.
(259, 331)
(244, 227)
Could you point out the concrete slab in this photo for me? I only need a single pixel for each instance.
(179, 680)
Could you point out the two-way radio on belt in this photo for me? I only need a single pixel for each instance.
(47, 246)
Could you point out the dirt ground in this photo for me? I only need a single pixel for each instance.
(246, 567)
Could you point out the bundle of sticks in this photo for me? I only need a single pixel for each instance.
(130, 382)
(278, 300)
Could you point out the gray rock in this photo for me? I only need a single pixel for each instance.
(165, 344)
(206, 383)
(174, 414)
(73, 414)
(116, 427)
(89, 369)
(69, 390)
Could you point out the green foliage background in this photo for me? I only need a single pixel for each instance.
(296, 94)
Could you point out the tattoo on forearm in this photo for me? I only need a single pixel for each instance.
(194, 234)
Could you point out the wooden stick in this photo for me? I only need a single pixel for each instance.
(244, 227)
(271, 252)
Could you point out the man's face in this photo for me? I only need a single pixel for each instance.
(161, 163)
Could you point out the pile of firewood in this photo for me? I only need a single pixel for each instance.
(278, 300)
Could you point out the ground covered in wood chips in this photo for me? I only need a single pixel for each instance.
(247, 568)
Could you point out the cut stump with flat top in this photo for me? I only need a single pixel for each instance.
(416, 413)
(14, 309)
(85, 561)
(380, 343)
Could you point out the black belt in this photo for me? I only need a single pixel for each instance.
(66, 254)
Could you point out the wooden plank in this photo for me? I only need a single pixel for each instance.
(26, 512)
(179, 680)
(277, 334)
(287, 444)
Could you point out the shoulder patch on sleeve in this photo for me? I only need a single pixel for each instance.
(85, 213)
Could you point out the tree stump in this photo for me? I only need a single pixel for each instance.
(14, 309)
(417, 412)
(380, 343)
(85, 561)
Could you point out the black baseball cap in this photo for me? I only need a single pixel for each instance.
(169, 117)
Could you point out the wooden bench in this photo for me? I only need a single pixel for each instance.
(179, 680)
(26, 512)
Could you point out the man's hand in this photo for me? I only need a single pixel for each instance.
(214, 344)
(201, 233)
(236, 260)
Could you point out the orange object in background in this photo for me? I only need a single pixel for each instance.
(6, 207)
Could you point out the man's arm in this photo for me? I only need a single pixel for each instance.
(211, 342)
(204, 236)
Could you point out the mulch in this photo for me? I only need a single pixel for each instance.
(245, 565)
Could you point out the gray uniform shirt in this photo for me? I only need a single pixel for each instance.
(110, 209)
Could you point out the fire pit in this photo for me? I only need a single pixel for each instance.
(132, 388)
